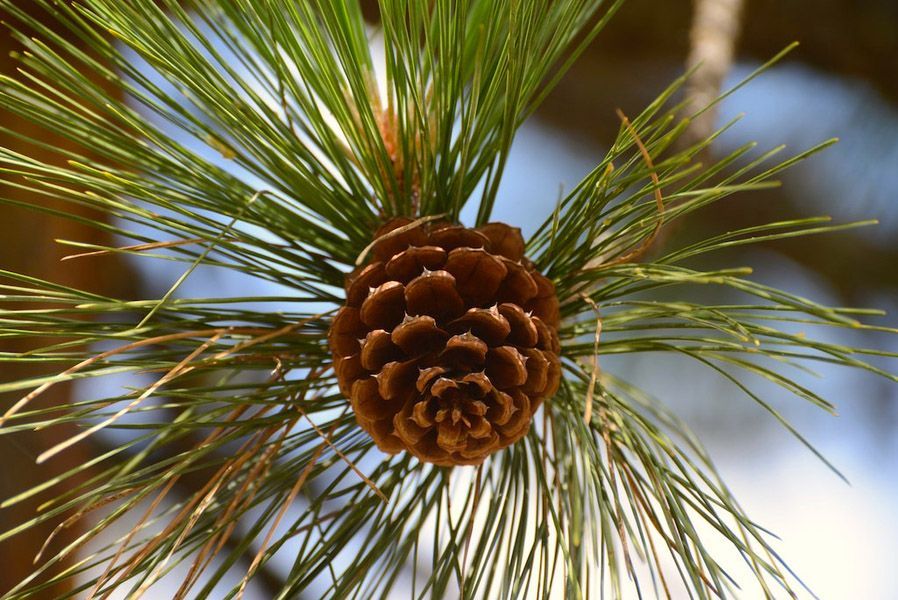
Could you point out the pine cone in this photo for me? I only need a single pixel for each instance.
(448, 341)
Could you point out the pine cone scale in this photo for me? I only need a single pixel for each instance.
(433, 293)
(419, 335)
(478, 274)
(411, 262)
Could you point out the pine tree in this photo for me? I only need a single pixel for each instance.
(321, 152)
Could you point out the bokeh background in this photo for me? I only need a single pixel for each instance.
(842, 81)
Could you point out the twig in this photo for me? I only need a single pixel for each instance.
(715, 30)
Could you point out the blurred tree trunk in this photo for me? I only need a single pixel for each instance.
(715, 30)
(26, 245)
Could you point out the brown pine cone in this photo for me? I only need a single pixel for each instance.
(448, 341)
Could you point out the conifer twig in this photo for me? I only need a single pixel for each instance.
(713, 36)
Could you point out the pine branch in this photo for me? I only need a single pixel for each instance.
(314, 149)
